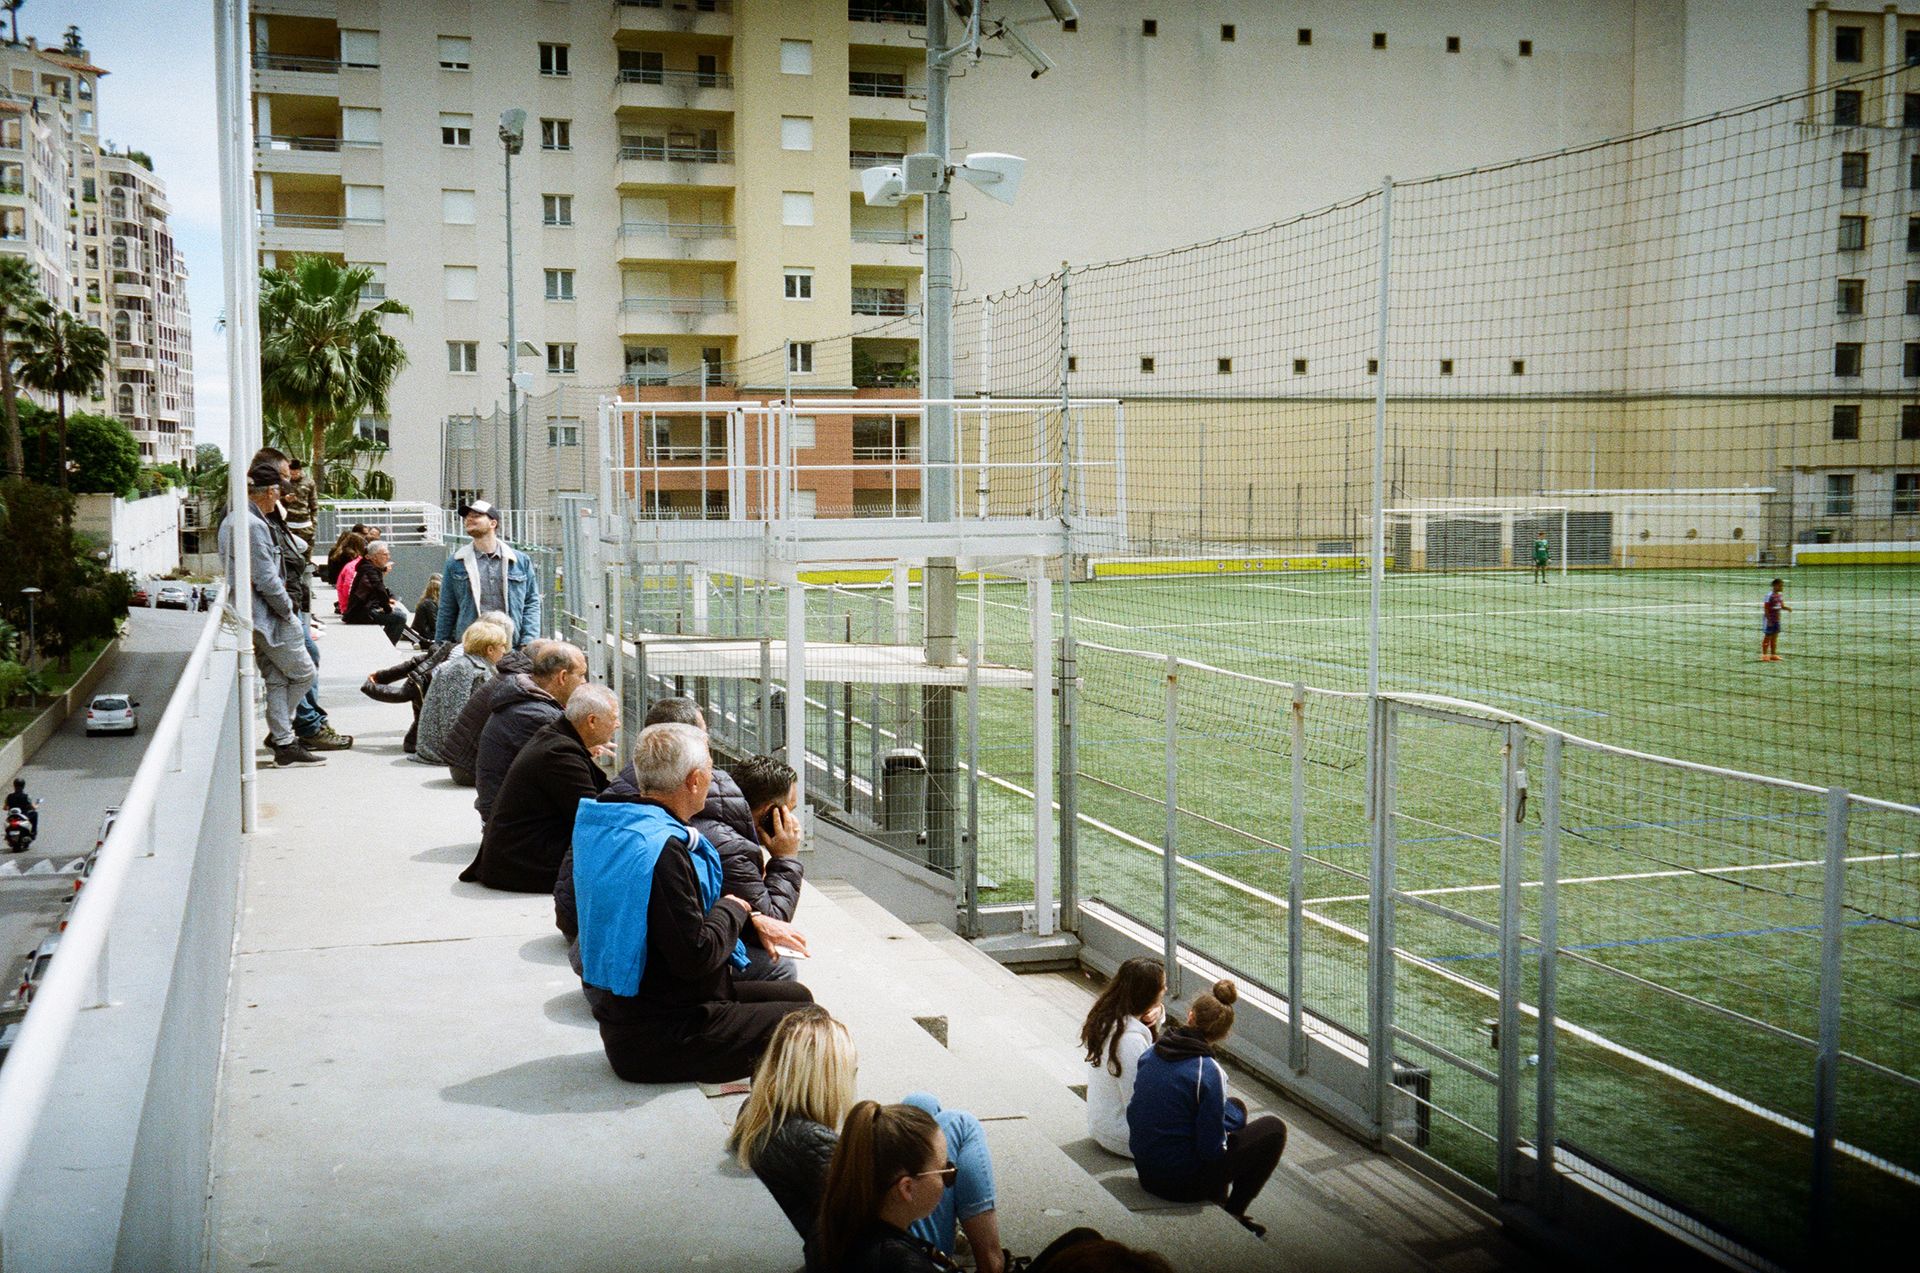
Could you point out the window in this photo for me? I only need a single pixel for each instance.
(1304, 35)
(796, 132)
(1846, 359)
(876, 84)
(553, 59)
(1226, 33)
(1849, 43)
(375, 288)
(1910, 424)
(559, 288)
(461, 282)
(1373, 366)
(360, 49)
(463, 356)
(1070, 24)
(799, 285)
(1149, 27)
(456, 53)
(1073, 363)
(1839, 495)
(1853, 234)
(1526, 48)
(1913, 173)
(1146, 365)
(1518, 367)
(366, 203)
(359, 123)
(1846, 423)
(1910, 361)
(456, 130)
(374, 429)
(556, 209)
(1299, 366)
(1846, 106)
(796, 57)
(1913, 296)
(642, 66)
(1910, 108)
(565, 431)
(1913, 234)
(803, 433)
(646, 365)
(556, 134)
(458, 207)
(710, 362)
(799, 355)
(1906, 494)
(1379, 39)
(560, 357)
(1853, 294)
(1223, 366)
(1911, 48)
(796, 207)
(1453, 44)
(1853, 171)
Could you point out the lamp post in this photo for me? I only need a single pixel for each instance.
(33, 646)
(513, 126)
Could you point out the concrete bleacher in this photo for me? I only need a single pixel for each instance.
(412, 1078)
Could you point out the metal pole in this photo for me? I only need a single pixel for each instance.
(1382, 723)
(970, 882)
(1169, 857)
(241, 269)
(1069, 764)
(1297, 891)
(514, 476)
(1826, 1067)
(1043, 833)
(1546, 1190)
(797, 692)
(1512, 848)
(766, 681)
(1377, 566)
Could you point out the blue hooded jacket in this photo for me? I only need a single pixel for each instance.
(1179, 1118)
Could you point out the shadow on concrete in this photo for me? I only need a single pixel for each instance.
(570, 1083)
(571, 1008)
(551, 949)
(454, 855)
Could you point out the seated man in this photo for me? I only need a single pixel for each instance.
(370, 601)
(532, 823)
(658, 940)
(519, 706)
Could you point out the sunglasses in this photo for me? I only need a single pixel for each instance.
(948, 1174)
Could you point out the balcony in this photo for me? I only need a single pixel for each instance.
(306, 232)
(304, 76)
(885, 97)
(321, 155)
(675, 241)
(680, 17)
(889, 249)
(676, 315)
(674, 90)
(127, 289)
(875, 22)
(649, 165)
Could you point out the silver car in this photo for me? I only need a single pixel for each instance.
(112, 714)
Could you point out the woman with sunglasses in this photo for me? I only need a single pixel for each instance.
(803, 1089)
(889, 1170)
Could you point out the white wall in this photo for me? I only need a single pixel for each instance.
(142, 535)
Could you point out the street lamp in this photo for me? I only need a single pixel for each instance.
(513, 133)
(33, 596)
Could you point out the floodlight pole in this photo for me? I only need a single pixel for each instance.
(510, 142)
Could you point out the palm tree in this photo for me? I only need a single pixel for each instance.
(61, 355)
(323, 355)
(18, 291)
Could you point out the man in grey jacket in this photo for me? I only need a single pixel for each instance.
(279, 633)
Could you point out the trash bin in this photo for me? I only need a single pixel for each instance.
(903, 790)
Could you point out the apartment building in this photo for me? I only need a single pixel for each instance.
(93, 222)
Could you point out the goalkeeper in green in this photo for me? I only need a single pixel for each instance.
(1541, 551)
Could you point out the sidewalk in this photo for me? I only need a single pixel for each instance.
(413, 1079)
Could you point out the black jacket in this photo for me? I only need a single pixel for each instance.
(423, 621)
(792, 1163)
(463, 741)
(518, 711)
(368, 601)
(295, 565)
(881, 1248)
(532, 824)
(771, 885)
(412, 677)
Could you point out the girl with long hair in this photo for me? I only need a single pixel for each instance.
(1191, 1141)
(889, 1171)
(1118, 1029)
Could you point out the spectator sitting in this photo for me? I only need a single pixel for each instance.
(453, 683)
(1118, 1029)
(463, 740)
(1191, 1141)
(802, 1090)
(370, 601)
(751, 808)
(407, 682)
(658, 939)
(344, 573)
(426, 613)
(890, 1169)
(348, 547)
(532, 824)
(518, 710)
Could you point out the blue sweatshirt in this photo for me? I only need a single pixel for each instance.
(1179, 1118)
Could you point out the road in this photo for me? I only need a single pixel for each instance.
(76, 778)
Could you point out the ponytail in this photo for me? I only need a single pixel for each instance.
(1213, 1011)
(878, 1145)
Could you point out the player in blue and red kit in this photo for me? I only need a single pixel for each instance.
(1770, 610)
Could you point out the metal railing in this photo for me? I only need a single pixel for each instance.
(888, 236)
(892, 454)
(660, 379)
(676, 79)
(681, 6)
(873, 158)
(867, 13)
(886, 309)
(676, 154)
(309, 221)
(310, 65)
(319, 145)
(674, 230)
(77, 978)
(916, 92)
(674, 305)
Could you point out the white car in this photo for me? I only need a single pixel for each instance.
(112, 714)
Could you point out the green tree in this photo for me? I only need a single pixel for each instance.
(103, 456)
(18, 292)
(324, 356)
(81, 600)
(62, 355)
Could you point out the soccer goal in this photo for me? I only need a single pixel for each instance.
(1454, 537)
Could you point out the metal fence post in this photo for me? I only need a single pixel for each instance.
(1296, 890)
(1380, 963)
(1169, 860)
(1513, 805)
(970, 881)
(1069, 777)
(766, 699)
(1826, 1067)
(1546, 1192)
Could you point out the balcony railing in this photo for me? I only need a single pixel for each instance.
(13, 187)
(674, 230)
(308, 221)
(888, 236)
(690, 454)
(677, 79)
(905, 15)
(683, 6)
(886, 309)
(862, 88)
(891, 454)
(323, 145)
(677, 154)
(656, 379)
(873, 158)
(311, 65)
(888, 380)
(673, 305)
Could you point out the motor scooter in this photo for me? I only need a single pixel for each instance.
(20, 832)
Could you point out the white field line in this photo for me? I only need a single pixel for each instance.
(1709, 871)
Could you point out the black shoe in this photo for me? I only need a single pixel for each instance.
(1256, 1229)
(294, 754)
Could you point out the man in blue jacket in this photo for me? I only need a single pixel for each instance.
(486, 574)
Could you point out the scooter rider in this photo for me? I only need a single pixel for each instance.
(19, 799)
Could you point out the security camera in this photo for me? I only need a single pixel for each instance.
(884, 186)
(1063, 10)
(1033, 57)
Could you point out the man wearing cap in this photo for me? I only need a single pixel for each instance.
(279, 630)
(299, 502)
(486, 575)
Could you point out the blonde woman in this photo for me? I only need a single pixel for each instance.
(482, 646)
(803, 1089)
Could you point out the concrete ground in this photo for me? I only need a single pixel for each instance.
(412, 1078)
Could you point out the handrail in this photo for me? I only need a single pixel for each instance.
(29, 1072)
(675, 229)
(674, 305)
(676, 154)
(679, 79)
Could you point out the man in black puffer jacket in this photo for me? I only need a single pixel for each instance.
(521, 707)
(462, 747)
(532, 824)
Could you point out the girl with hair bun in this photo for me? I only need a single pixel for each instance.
(1191, 1141)
(1119, 1028)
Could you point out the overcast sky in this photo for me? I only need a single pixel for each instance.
(158, 97)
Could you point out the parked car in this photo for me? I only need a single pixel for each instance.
(112, 714)
(173, 596)
(39, 959)
(139, 594)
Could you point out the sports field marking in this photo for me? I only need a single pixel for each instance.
(1709, 871)
(1658, 941)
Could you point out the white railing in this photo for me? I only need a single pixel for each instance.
(78, 975)
(397, 522)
